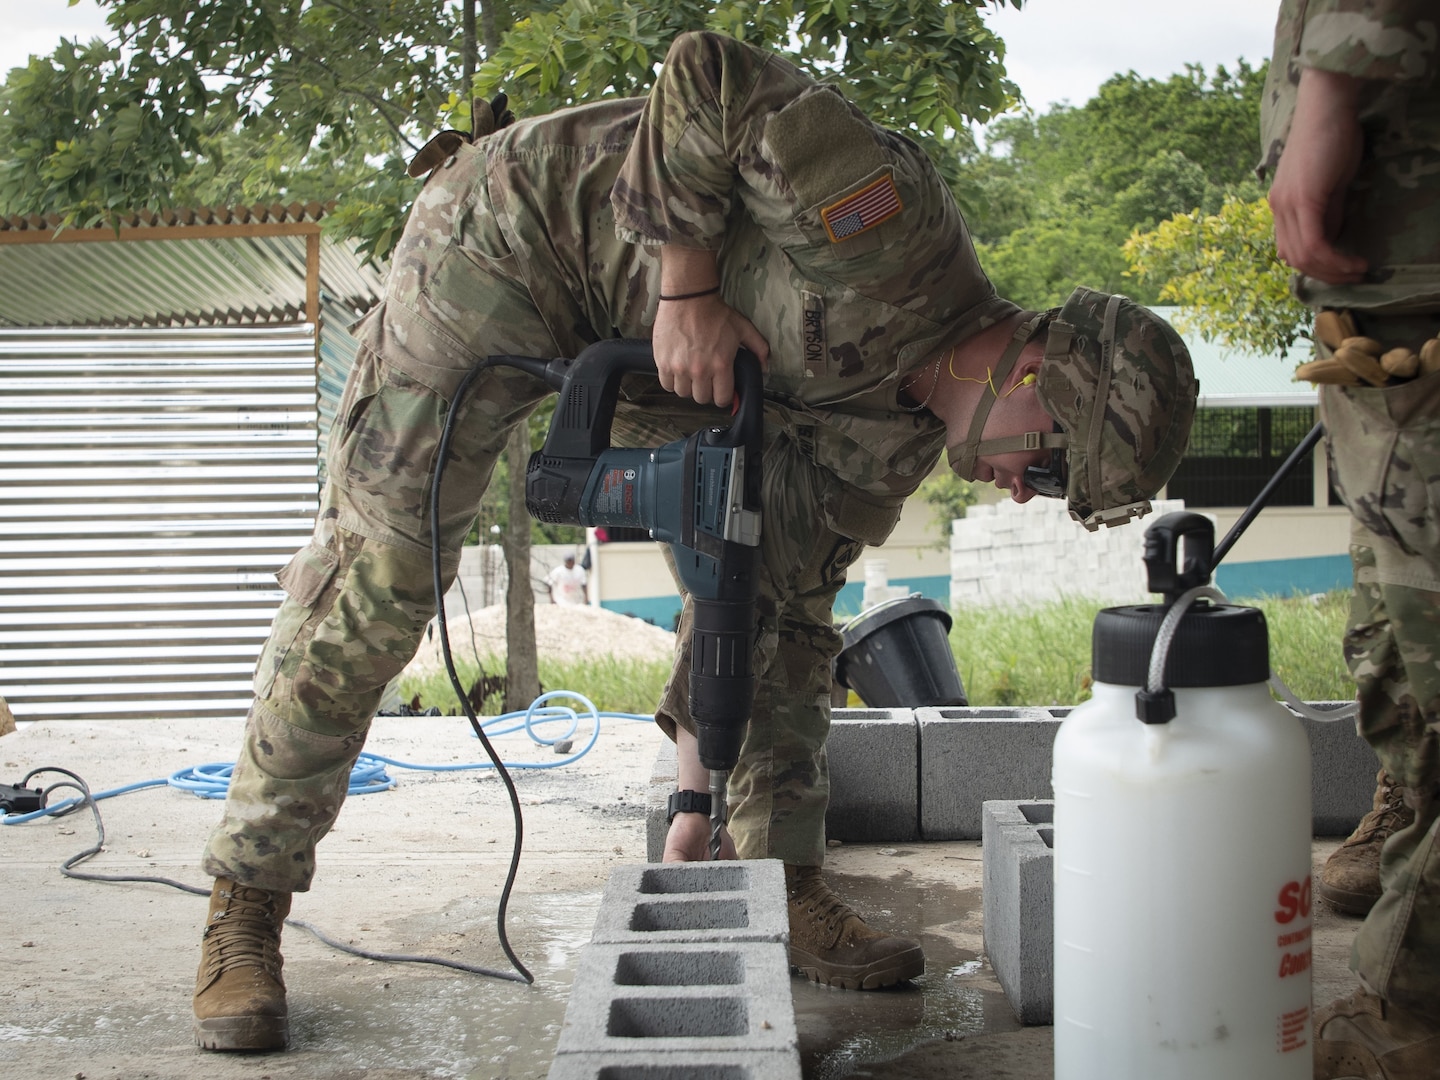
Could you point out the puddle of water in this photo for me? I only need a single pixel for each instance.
(842, 1030)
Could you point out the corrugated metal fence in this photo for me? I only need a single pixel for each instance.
(151, 483)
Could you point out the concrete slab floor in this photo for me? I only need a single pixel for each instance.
(99, 975)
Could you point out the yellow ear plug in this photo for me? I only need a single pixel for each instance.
(989, 379)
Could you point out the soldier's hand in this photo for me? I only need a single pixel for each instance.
(1322, 154)
(696, 333)
(689, 840)
(695, 343)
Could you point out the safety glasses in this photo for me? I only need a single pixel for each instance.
(1051, 479)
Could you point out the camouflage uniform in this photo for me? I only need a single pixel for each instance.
(1384, 443)
(837, 239)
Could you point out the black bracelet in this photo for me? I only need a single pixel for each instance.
(692, 295)
(687, 802)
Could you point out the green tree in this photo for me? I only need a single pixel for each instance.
(273, 100)
(1222, 270)
(1055, 196)
(947, 496)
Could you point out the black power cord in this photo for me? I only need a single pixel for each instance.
(446, 434)
(536, 367)
(77, 783)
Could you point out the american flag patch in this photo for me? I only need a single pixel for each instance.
(865, 209)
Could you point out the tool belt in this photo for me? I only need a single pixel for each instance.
(1348, 358)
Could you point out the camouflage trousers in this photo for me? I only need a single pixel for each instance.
(360, 594)
(1385, 452)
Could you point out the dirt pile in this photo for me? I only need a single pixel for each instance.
(582, 633)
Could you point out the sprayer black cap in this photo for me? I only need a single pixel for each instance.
(1224, 645)
(1214, 645)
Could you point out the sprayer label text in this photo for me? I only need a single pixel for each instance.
(1286, 940)
(1294, 964)
(1292, 1030)
(1294, 901)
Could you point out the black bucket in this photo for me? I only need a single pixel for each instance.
(897, 655)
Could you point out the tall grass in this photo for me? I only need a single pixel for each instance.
(612, 685)
(1006, 656)
(1041, 655)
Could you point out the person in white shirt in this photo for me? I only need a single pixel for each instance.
(567, 584)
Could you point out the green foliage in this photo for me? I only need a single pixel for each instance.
(947, 496)
(1305, 644)
(1041, 655)
(1055, 196)
(613, 685)
(1024, 655)
(1222, 269)
(1006, 656)
(242, 101)
(1039, 263)
(224, 101)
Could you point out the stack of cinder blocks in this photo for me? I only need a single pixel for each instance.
(899, 775)
(1018, 895)
(686, 977)
(1018, 838)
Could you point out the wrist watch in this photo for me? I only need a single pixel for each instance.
(688, 802)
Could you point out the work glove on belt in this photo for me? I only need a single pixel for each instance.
(486, 117)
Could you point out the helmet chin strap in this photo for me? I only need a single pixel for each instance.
(962, 456)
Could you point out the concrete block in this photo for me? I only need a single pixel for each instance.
(730, 902)
(874, 775)
(678, 1065)
(657, 800)
(1342, 773)
(969, 540)
(1018, 894)
(969, 756)
(680, 998)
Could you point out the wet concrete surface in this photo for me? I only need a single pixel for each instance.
(99, 974)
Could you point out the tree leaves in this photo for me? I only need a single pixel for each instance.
(1223, 270)
(1055, 196)
(226, 101)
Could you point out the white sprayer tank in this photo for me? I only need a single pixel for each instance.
(1182, 861)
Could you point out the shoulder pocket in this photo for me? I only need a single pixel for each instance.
(822, 145)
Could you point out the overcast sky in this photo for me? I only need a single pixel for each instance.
(1058, 50)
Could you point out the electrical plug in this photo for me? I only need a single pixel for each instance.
(21, 800)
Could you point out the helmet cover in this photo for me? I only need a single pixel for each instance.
(1119, 381)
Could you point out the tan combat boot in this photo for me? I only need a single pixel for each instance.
(831, 945)
(239, 994)
(1363, 1037)
(1350, 880)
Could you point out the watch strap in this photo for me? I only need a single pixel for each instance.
(687, 801)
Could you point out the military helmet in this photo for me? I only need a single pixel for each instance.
(1118, 382)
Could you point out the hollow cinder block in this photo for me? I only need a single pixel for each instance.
(1342, 773)
(969, 756)
(874, 758)
(666, 998)
(678, 1065)
(736, 901)
(1018, 894)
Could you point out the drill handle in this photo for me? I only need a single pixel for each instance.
(586, 409)
(748, 427)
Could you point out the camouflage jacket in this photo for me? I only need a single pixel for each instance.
(836, 238)
(1394, 205)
